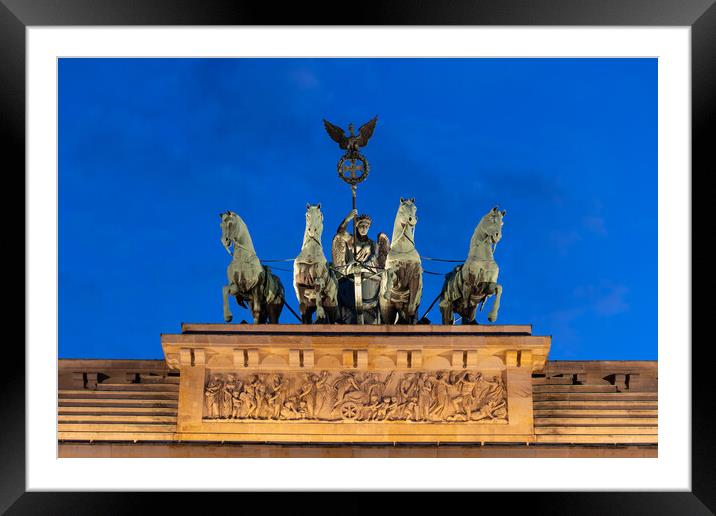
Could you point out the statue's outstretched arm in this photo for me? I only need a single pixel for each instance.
(344, 224)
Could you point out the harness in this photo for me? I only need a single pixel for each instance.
(246, 249)
(311, 272)
(401, 293)
(315, 240)
(404, 235)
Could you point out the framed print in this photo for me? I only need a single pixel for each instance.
(578, 127)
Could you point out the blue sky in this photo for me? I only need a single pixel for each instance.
(151, 150)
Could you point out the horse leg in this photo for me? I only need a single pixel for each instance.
(332, 312)
(467, 289)
(492, 316)
(400, 312)
(256, 303)
(307, 315)
(413, 318)
(387, 312)
(416, 293)
(469, 317)
(403, 314)
(227, 291)
(393, 315)
(274, 312)
(321, 317)
(383, 307)
(268, 313)
(446, 312)
(320, 312)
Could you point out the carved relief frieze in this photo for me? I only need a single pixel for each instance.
(465, 396)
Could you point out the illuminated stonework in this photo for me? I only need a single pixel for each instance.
(355, 383)
(424, 396)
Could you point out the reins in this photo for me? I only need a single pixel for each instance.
(404, 235)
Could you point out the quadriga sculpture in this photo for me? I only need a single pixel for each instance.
(315, 284)
(471, 283)
(249, 281)
(402, 283)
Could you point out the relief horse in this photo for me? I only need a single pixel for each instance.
(471, 283)
(402, 282)
(249, 281)
(315, 284)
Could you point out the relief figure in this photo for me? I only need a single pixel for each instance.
(425, 397)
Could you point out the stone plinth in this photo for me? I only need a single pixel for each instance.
(350, 383)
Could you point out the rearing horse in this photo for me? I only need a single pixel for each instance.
(402, 283)
(315, 284)
(248, 279)
(473, 282)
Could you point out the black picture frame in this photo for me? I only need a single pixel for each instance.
(700, 15)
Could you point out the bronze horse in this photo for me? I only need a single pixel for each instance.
(315, 284)
(249, 281)
(471, 283)
(402, 282)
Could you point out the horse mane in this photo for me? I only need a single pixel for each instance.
(242, 231)
(479, 237)
(479, 234)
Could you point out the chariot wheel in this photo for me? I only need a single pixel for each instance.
(350, 411)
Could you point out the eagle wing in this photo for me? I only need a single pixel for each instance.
(337, 134)
(366, 131)
(383, 249)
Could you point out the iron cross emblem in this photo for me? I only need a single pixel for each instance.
(353, 170)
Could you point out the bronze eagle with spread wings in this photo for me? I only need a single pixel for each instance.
(351, 142)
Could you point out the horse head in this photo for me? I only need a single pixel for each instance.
(229, 229)
(491, 225)
(407, 212)
(234, 231)
(314, 222)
